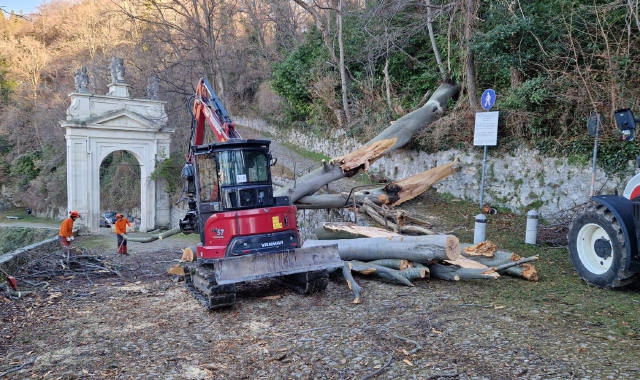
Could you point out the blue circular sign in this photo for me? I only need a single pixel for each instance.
(488, 99)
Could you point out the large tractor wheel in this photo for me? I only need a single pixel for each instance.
(598, 249)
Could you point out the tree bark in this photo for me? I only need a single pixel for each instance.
(422, 249)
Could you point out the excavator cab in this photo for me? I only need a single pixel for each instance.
(228, 176)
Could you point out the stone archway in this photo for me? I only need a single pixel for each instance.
(97, 125)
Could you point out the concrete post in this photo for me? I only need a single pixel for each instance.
(480, 230)
(532, 227)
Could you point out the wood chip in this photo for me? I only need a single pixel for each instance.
(485, 248)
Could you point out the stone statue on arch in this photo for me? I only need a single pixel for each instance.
(116, 68)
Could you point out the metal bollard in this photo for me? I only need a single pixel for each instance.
(479, 233)
(532, 227)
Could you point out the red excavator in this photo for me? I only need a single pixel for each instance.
(245, 232)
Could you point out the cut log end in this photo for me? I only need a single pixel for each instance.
(188, 254)
(452, 247)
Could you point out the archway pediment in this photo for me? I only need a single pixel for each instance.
(124, 119)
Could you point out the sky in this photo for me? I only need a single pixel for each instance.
(26, 6)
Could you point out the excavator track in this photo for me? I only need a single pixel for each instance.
(201, 282)
(306, 282)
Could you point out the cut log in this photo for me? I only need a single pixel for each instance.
(188, 254)
(415, 273)
(337, 230)
(423, 249)
(384, 272)
(393, 263)
(351, 283)
(526, 271)
(455, 273)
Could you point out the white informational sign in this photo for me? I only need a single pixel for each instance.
(486, 130)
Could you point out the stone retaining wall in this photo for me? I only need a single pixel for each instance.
(520, 181)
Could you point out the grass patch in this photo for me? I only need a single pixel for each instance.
(317, 157)
(9, 216)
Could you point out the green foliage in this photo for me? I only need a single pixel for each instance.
(169, 170)
(614, 155)
(27, 166)
(291, 78)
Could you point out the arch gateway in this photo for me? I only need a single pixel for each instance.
(97, 125)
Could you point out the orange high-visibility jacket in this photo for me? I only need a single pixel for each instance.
(121, 225)
(66, 228)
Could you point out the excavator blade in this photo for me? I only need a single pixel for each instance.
(253, 267)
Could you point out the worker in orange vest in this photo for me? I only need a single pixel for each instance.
(121, 228)
(66, 229)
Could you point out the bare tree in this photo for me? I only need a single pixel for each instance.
(29, 58)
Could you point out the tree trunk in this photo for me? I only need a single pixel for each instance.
(432, 38)
(469, 62)
(343, 74)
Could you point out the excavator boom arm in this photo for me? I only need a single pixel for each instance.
(207, 108)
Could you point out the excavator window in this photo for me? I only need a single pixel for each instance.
(207, 174)
(239, 167)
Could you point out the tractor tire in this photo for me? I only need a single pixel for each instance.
(598, 249)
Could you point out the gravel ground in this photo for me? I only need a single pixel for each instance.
(145, 325)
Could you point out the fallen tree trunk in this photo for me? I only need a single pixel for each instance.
(149, 239)
(422, 249)
(394, 137)
(394, 193)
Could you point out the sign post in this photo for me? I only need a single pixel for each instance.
(486, 132)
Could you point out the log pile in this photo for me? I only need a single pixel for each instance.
(403, 259)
